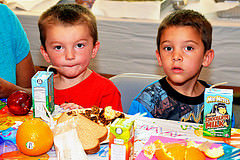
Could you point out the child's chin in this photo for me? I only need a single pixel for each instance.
(177, 80)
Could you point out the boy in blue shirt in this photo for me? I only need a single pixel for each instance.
(183, 47)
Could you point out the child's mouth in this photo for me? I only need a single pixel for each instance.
(177, 70)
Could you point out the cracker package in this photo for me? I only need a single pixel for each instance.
(217, 112)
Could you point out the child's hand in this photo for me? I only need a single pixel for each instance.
(70, 106)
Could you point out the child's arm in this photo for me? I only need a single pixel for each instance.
(137, 107)
(70, 106)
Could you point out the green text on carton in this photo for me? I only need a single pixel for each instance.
(217, 112)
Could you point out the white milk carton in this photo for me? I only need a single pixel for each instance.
(42, 94)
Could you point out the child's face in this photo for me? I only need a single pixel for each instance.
(182, 54)
(70, 48)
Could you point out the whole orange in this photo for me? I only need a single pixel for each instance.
(34, 137)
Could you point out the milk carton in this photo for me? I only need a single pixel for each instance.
(42, 93)
(217, 112)
(121, 140)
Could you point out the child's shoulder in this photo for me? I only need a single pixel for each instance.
(101, 79)
(153, 89)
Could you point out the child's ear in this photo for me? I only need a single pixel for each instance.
(95, 49)
(208, 58)
(45, 54)
(159, 58)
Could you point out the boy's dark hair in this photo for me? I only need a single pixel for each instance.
(188, 18)
(67, 14)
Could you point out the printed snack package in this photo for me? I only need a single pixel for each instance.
(42, 94)
(217, 112)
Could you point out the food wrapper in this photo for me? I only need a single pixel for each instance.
(66, 141)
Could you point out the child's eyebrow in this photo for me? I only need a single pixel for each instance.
(192, 41)
(164, 41)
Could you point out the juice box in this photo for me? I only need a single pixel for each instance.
(121, 140)
(217, 112)
(42, 93)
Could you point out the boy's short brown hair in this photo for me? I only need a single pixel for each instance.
(67, 14)
(188, 18)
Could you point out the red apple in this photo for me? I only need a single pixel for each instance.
(19, 103)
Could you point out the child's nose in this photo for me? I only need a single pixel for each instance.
(176, 56)
(70, 54)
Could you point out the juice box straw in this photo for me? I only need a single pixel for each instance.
(217, 84)
(138, 115)
(49, 114)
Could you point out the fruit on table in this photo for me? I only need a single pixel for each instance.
(34, 137)
(214, 152)
(19, 102)
(176, 151)
(205, 148)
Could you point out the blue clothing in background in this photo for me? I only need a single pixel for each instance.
(160, 100)
(14, 45)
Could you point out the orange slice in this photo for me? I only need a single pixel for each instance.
(149, 150)
(193, 153)
(161, 152)
(214, 152)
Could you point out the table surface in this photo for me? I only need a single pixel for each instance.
(144, 129)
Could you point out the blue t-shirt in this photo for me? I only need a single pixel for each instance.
(160, 100)
(14, 45)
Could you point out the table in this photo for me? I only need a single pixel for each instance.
(145, 128)
(128, 45)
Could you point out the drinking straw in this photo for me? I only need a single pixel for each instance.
(138, 115)
(51, 118)
(217, 84)
(51, 66)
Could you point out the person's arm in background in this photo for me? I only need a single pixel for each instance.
(24, 72)
(16, 67)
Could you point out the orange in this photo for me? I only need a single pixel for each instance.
(193, 153)
(177, 150)
(205, 148)
(161, 152)
(34, 137)
(215, 152)
(149, 150)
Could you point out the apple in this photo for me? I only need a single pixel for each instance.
(19, 102)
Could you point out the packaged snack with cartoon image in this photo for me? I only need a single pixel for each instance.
(217, 112)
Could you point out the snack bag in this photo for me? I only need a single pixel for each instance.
(217, 112)
(66, 141)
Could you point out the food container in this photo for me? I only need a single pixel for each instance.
(42, 94)
(217, 112)
(121, 140)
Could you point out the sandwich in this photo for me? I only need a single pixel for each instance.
(90, 133)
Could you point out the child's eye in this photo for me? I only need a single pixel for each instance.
(188, 48)
(80, 45)
(58, 47)
(168, 48)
